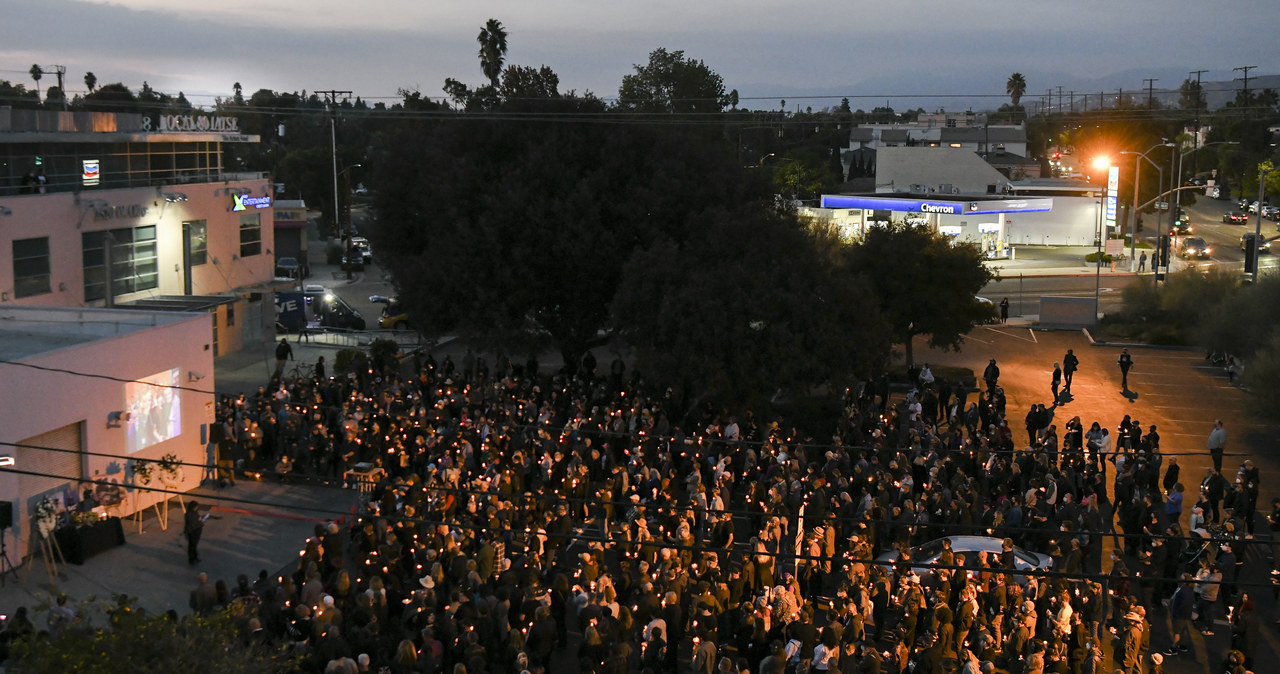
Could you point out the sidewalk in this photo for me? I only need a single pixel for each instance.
(254, 526)
(1036, 261)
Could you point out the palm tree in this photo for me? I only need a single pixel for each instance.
(36, 73)
(1015, 87)
(493, 49)
(91, 81)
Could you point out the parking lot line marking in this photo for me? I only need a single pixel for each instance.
(1000, 332)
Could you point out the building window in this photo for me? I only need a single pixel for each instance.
(134, 262)
(231, 314)
(250, 234)
(198, 233)
(30, 267)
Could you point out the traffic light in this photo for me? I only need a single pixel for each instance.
(1164, 250)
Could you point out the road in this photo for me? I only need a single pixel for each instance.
(1224, 239)
(1024, 293)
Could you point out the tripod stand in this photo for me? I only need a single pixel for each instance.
(6, 566)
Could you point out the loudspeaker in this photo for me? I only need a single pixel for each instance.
(6, 514)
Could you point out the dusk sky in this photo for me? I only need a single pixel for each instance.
(770, 50)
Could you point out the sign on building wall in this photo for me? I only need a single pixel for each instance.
(90, 171)
(243, 203)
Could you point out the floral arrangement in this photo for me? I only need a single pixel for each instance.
(46, 516)
(46, 508)
(169, 464)
(84, 519)
(141, 471)
(170, 470)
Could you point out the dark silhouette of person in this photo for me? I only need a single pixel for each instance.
(1125, 362)
(192, 526)
(1070, 363)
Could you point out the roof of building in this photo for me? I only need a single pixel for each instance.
(31, 331)
(861, 135)
(894, 135)
(898, 168)
(984, 134)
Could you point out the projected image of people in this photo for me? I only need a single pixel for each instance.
(155, 413)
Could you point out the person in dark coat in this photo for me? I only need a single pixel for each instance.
(192, 526)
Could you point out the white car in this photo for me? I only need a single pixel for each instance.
(362, 244)
(923, 556)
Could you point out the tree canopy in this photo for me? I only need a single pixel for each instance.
(925, 285)
(137, 641)
(745, 307)
(669, 82)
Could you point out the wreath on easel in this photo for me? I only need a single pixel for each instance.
(46, 516)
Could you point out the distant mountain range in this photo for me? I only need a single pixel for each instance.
(982, 91)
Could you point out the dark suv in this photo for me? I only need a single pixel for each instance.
(1195, 247)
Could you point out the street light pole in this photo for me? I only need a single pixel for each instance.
(1103, 164)
(336, 217)
(1133, 209)
(1257, 232)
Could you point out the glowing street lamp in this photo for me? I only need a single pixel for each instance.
(1133, 210)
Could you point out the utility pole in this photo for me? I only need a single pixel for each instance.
(1257, 232)
(1195, 143)
(1071, 98)
(61, 72)
(1059, 98)
(1150, 81)
(1245, 70)
(332, 99)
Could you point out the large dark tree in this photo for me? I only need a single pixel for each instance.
(518, 229)
(669, 82)
(745, 307)
(924, 283)
(493, 50)
(1016, 86)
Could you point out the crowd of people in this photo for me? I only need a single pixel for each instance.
(519, 521)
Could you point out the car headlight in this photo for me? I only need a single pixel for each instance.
(1207, 251)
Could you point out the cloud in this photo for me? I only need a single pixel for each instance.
(375, 48)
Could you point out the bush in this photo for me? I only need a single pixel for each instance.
(1262, 378)
(348, 360)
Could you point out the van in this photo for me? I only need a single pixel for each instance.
(315, 309)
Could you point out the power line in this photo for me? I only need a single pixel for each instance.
(622, 545)
(556, 498)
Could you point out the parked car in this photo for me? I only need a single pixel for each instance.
(288, 267)
(1235, 218)
(394, 316)
(353, 260)
(1195, 247)
(922, 556)
(362, 244)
